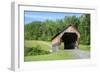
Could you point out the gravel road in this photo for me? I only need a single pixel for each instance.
(80, 54)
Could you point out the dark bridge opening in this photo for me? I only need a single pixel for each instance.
(69, 40)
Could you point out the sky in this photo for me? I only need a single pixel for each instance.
(30, 16)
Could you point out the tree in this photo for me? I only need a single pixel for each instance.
(71, 20)
(45, 30)
(84, 28)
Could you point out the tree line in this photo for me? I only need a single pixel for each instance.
(45, 30)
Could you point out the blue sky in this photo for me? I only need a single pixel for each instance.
(30, 16)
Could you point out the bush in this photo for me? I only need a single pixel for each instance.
(34, 51)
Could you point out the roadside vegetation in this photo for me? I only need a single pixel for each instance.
(40, 50)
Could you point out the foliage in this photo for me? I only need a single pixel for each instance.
(34, 51)
(34, 43)
(45, 30)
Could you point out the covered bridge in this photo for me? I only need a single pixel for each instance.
(69, 35)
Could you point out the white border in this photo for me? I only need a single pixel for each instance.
(18, 37)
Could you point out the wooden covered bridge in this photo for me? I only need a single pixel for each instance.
(69, 35)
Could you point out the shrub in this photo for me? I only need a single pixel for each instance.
(34, 51)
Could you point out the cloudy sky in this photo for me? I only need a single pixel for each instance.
(30, 16)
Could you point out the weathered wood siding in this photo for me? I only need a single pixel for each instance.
(57, 40)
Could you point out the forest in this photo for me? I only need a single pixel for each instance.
(45, 30)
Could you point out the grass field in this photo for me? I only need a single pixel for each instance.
(34, 43)
(84, 47)
(60, 55)
(53, 56)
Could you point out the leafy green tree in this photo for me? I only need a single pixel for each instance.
(84, 28)
(71, 20)
(45, 30)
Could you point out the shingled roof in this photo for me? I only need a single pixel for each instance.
(65, 29)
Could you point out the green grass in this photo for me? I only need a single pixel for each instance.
(60, 55)
(84, 47)
(34, 43)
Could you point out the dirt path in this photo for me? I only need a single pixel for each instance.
(79, 54)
